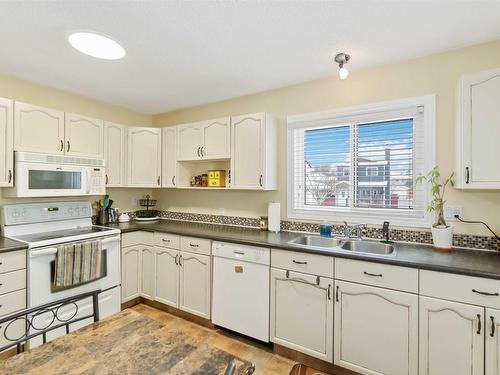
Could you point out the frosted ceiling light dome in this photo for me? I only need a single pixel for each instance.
(96, 45)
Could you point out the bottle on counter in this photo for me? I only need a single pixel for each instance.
(325, 229)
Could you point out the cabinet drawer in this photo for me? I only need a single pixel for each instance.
(460, 288)
(12, 261)
(313, 264)
(12, 281)
(137, 238)
(171, 241)
(377, 274)
(195, 245)
(13, 301)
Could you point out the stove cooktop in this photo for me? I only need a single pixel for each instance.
(62, 234)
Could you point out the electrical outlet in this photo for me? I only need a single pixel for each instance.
(221, 211)
(451, 211)
(134, 201)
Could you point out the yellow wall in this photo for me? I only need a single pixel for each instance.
(34, 93)
(437, 74)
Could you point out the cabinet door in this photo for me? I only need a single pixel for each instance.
(247, 151)
(216, 139)
(376, 330)
(492, 342)
(6, 142)
(479, 130)
(167, 276)
(169, 155)
(147, 272)
(144, 157)
(195, 284)
(189, 141)
(302, 313)
(38, 129)
(131, 267)
(451, 338)
(84, 136)
(114, 154)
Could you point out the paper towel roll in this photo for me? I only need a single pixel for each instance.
(273, 216)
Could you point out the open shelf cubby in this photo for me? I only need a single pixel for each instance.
(188, 169)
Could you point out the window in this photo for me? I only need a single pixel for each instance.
(371, 172)
(361, 163)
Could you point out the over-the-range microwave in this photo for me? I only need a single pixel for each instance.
(46, 175)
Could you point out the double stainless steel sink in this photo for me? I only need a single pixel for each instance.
(359, 246)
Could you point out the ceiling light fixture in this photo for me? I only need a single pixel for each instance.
(96, 45)
(341, 59)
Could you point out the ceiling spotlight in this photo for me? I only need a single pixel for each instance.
(341, 59)
(96, 45)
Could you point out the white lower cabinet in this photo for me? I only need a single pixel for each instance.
(131, 258)
(167, 276)
(376, 330)
(302, 312)
(492, 342)
(451, 338)
(147, 272)
(195, 284)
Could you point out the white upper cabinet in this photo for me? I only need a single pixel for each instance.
(451, 338)
(189, 141)
(478, 131)
(84, 136)
(38, 129)
(216, 139)
(144, 157)
(376, 330)
(114, 154)
(6, 142)
(204, 140)
(254, 146)
(169, 156)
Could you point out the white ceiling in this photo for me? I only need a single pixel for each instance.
(181, 53)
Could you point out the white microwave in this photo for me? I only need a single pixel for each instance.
(45, 175)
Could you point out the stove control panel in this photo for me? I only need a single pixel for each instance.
(14, 214)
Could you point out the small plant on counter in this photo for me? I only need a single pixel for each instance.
(442, 233)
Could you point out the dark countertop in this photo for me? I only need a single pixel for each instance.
(480, 263)
(6, 244)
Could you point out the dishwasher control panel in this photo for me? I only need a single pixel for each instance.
(255, 254)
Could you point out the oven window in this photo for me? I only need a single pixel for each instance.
(60, 180)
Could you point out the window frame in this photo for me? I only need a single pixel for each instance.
(373, 112)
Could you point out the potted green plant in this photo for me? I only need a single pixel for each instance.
(442, 233)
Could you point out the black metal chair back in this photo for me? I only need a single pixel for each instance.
(53, 309)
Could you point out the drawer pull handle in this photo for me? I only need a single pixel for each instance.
(373, 274)
(180, 260)
(337, 294)
(485, 293)
(478, 324)
(298, 262)
(239, 253)
(330, 297)
(175, 260)
(165, 240)
(193, 245)
(492, 333)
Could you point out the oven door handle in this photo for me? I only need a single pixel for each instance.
(37, 253)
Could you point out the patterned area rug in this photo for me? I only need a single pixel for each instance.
(300, 369)
(125, 343)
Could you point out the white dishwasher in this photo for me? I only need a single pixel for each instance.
(240, 299)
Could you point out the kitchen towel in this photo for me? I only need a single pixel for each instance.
(273, 214)
(77, 263)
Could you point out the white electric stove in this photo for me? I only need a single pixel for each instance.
(44, 227)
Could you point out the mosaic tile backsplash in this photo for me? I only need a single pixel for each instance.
(406, 235)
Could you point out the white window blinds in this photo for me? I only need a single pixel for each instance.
(360, 163)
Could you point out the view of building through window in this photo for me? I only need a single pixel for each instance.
(367, 165)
